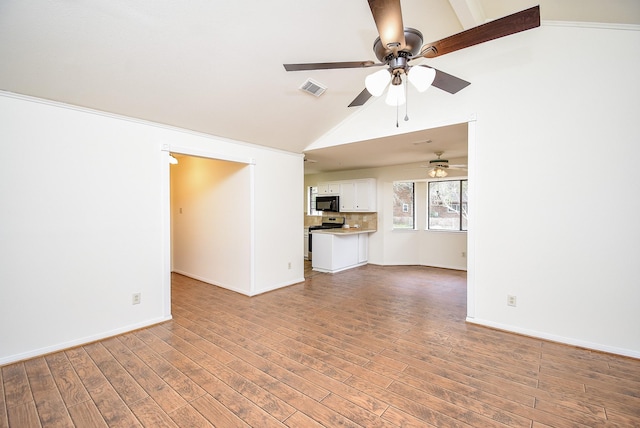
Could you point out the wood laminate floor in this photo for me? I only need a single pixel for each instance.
(369, 347)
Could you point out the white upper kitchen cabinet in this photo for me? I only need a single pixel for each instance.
(329, 188)
(358, 195)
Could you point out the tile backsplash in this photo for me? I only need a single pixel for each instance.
(364, 220)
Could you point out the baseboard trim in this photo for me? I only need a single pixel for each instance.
(210, 281)
(78, 342)
(278, 286)
(555, 338)
(237, 290)
(448, 267)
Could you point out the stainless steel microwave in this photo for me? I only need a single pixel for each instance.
(328, 203)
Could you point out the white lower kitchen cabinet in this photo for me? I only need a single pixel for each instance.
(335, 251)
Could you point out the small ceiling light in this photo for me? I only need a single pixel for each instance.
(438, 172)
(421, 77)
(377, 82)
(172, 160)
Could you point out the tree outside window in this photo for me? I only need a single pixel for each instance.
(448, 205)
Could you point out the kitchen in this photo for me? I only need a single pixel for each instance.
(338, 239)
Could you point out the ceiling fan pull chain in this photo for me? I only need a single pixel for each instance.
(406, 106)
(397, 115)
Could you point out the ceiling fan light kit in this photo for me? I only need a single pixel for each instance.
(437, 172)
(396, 46)
(420, 77)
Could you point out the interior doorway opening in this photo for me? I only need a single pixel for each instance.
(209, 220)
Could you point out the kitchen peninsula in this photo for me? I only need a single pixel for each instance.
(339, 249)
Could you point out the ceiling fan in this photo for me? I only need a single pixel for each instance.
(438, 167)
(396, 46)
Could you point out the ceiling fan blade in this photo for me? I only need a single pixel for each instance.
(362, 98)
(447, 82)
(387, 15)
(511, 24)
(329, 65)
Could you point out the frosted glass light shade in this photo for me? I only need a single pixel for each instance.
(421, 77)
(395, 95)
(438, 172)
(377, 82)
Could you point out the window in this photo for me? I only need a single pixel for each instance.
(448, 205)
(403, 207)
(312, 192)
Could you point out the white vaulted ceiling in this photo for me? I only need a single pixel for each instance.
(216, 66)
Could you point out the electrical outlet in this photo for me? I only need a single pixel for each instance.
(511, 300)
(135, 299)
(464, 254)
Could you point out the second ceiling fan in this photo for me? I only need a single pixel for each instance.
(396, 46)
(438, 167)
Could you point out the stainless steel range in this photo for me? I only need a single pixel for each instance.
(328, 222)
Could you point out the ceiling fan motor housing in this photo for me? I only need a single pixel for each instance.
(413, 42)
(439, 163)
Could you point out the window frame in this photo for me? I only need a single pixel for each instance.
(459, 203)
(312, 193)
(412, 207)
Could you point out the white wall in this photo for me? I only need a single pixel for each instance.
(405, 247)
(211, 221)
(553, 177)
(85, 223)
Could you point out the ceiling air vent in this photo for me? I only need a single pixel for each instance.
(312, 87)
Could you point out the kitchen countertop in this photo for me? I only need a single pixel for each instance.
(343, 231)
